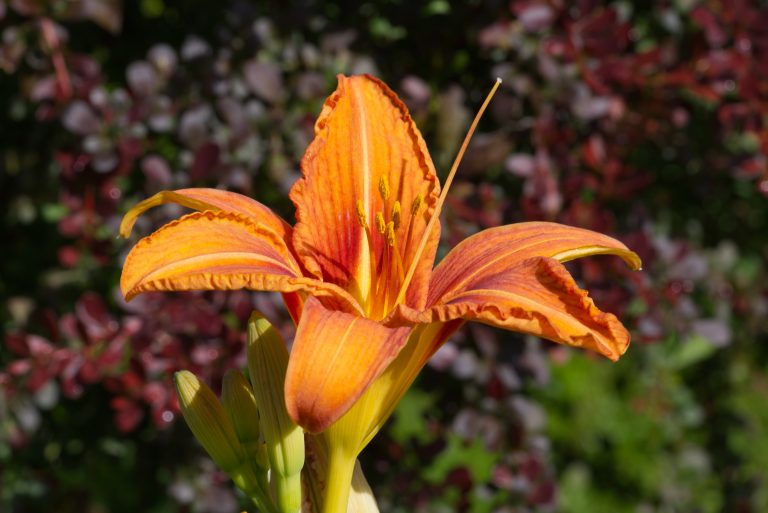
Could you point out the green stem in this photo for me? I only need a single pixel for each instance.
(288, 493)
(247, 481)
(341, 466)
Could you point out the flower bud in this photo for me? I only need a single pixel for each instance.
(267, 364)
(208, 421)
(361, 499)
(240, 404)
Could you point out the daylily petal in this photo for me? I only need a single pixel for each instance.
(209, 199)
(219, 251)
(511, 277)
(360, 424)
(335, 357)
(363, 135)
(536, 296)
(492, 250)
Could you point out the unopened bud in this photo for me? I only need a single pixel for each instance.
(240, 404)
(208, 421)
(267, 364)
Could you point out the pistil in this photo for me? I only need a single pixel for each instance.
(362, 219)
(443, 194)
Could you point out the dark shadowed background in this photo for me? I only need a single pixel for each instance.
(643, 120)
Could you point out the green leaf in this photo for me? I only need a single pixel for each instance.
(478, 460)
(436, 7)
(691, 352)
(409, 418)
(53, 212)
(152, 8)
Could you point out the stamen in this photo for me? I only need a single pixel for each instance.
(443, 194)
(384, 187)
(396, 214)
(381, 226)
(391, 233)
(383, 281)
(361, 217)
(390, 284)
(392, 241)
(416, 205)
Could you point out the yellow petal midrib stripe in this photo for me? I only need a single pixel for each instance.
(225, 258)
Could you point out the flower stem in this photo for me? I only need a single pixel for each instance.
(339, 481)
(288, 493)
(247, 481)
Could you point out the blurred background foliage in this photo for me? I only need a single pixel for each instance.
(645, 120)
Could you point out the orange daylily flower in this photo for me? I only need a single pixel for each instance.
(356, 269)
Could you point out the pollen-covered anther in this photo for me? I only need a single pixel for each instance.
(391, 233)
(384, 187)
(396, 215)
(416, 205)
(362, 219)
(381, 226)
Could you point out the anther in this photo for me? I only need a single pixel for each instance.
(384, 187)
(396, 214)
(391, 233)
(381, 226)
(361, 217)
(416, 205)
